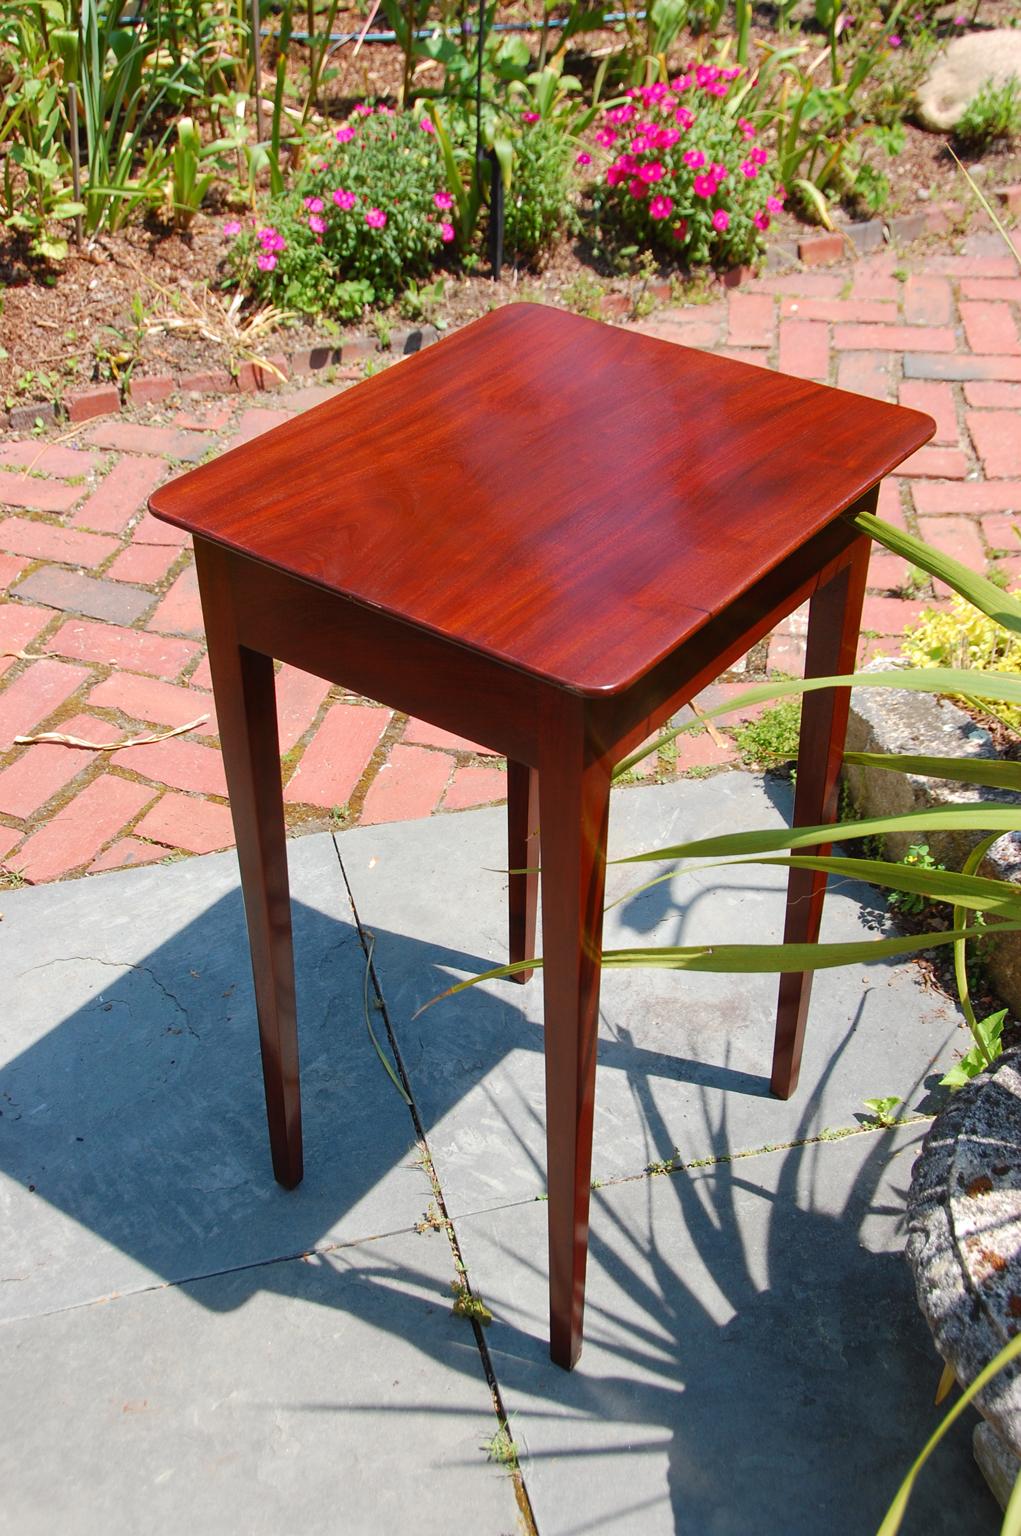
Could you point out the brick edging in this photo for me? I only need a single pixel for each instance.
(854, 239)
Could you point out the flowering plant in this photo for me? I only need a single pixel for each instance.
(686, 173)
(370, 213)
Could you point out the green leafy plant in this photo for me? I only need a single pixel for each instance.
(993, 113)
(468, 1304)
(187, 186)
(913, 902)
(987, 1047)
(686, 173)
(772, 739)
(882, 1110)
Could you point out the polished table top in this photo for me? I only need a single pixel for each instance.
(563, 496)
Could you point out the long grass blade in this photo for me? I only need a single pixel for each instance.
(989, 772)
(989, 599)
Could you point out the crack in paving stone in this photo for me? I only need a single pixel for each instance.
(121, 965)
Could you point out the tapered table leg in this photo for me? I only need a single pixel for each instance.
(244, 689)
(833, 624)
(523, 861)
(574, 791)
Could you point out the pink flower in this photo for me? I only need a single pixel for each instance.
(265, 261)
(314, 204)
(427, 125)
(653, 171)
(529, 117)
(316, 223)
(666, 138)
(719, 171)
(606, 137)
(583, 159)
(749, 170)
(271, 240)
(446, 233)
(345, 133)
(684, 117)
(893, 40)
(720, 220)
(718, 88)
(695, 158)
(746, 127)
(960, 21)
(621, 115)
(614, 174)
(443, 201)
(760, 220)
(758, 155)
(661, 207)
(362, 110)
(705, 74)
(704, 186)
(640, 144)
(680, 230)
(682, 83)
(628, 163)
(637, 188)
(386, 111)
(376, 218)
(345, 200)
(231, 228)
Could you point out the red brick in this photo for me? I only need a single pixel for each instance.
(255, 422)
(804, 349)
(830, 311)
(143, 563)
(992, 288)
(158, 655)
(989, 328)
(38, 774)
(936, 400)
(890, 506)
(19, 625)
(754, 359)
(819, 250)
(299, 698)
(475, 786)
(42, 541)
(150, 389)
(211, 382)
(131, 437)
(212, 419)
(786, 653)
(314, 394)
(408, 786)
(990, 396)
(153, 703)
(247, 379)
(48, 458)
(181, 763)
(997, 439)
(971, 267)
(869, 283)
(956, 536)
(697, 749)
(337, 756)
(72, 592)
(683, 333)
(968, 496)
(26, 703)
(202, 677)
(1001, 532)
(125, 853)
(888, 615)
(22, 490)
(181, 821)
(804, 285)
(897, 338)
(77, 833)
(1010, 567)
(122, 495)
(425, 735)
(151, 530)
(936, 464)
(722, 693)
(9, 836)
(10, 570)
(83, 404)
(1011, 199)
(751, 320)
(928, 301)
(887, 573)
(180, 612)
(867, 373)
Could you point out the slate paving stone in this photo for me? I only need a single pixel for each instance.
(670, 1044)
(754, 1358)
(115, 602)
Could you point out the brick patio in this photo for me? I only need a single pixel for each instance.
(103, 599)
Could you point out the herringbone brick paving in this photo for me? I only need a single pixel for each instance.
(101, 611)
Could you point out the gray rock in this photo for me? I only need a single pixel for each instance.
(958, 74)
(1000, 1467)
(964, 1236)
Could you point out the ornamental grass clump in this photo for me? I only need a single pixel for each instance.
(686, 173)
(370, 213)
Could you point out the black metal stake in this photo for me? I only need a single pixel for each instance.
(495, 177)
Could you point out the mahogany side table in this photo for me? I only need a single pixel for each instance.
(544, 534)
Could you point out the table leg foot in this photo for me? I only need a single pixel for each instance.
(833, 623)
(245, 693)
(523, 862)
(574, 794)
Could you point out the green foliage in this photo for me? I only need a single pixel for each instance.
(994, 113)
(187, 186)
(772, 739)
(914, 902)
(468, 1304)
(541, 202)
(986, 1049)
(882, 1110)
(501, 1449)
(963, 637)
(685, 172)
